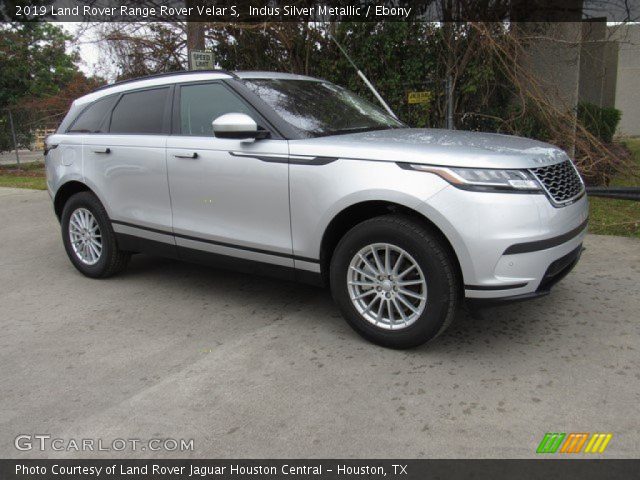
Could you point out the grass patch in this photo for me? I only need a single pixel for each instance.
(37, 167)
(608, 216)
(37, 183)
(27, 175)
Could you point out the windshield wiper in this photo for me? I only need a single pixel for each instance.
(344, 131)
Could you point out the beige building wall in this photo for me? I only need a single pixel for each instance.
(628, 77)
(598, 64)
(554, 59)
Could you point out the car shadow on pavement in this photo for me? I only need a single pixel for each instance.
(501, 327)
(473, 330)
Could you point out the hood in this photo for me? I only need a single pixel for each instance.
(434, 147)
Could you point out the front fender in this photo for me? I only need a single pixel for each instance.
(320, 193)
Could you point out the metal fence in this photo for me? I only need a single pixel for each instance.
(23, 132)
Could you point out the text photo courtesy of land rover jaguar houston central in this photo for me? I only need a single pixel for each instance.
(290, 175)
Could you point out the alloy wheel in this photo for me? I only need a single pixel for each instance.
(85, 236)
(387, 286)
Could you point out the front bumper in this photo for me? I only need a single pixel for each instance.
(508, 245)
(536, 271)
(556, 272)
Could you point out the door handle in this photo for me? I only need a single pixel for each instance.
(102, 150)
(186, 155)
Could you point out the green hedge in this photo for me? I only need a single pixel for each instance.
(601, 122)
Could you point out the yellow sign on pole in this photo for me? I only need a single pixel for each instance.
(419, 97)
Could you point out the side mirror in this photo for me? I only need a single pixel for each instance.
(238, 126)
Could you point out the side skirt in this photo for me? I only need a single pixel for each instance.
(151, 247)
(134, 244)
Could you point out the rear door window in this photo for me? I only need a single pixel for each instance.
(201, 104)
(92, 119)
(140, 112)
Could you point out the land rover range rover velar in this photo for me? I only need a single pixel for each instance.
(290, 175)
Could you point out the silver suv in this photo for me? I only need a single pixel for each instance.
(295, 176)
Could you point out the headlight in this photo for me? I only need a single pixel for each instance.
(484, 179)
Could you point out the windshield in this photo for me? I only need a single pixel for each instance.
(321, 108)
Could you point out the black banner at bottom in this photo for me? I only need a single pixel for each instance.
(548, 468)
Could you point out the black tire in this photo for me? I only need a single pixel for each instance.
(433, 258)
(112, 260)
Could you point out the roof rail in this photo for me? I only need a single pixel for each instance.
(164, 74)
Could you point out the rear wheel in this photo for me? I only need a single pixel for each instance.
(394, 281)
(89, 238)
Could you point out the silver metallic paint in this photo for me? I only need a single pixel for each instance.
(227, 193)
(231, 199)
(234, 123)
(453, 148)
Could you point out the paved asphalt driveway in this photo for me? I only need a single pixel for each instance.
(252, 367)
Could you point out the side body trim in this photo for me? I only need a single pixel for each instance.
(214, 242)
(143, 232)
(496, 287)
(202, 257)
(291, 159)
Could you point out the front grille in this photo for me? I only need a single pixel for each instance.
(561, 181)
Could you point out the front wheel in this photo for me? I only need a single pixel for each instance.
(89, 238)
(394, 281)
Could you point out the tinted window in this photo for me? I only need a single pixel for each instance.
(321, 108)
(91, 120)
(140, 112)
(202, 104)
